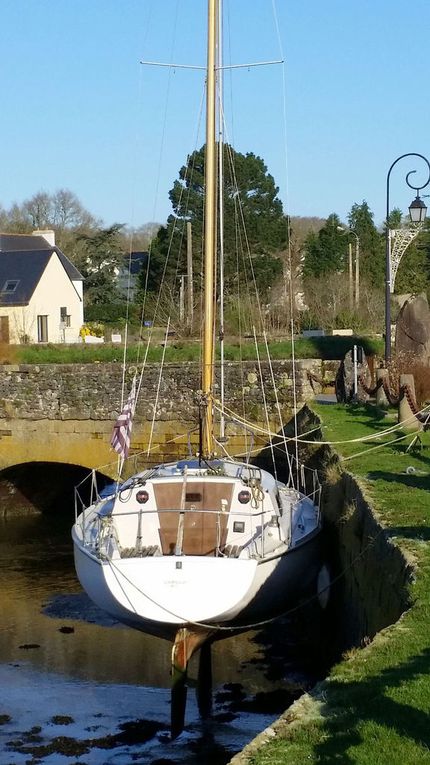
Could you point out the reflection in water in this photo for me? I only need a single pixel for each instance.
(60, 655)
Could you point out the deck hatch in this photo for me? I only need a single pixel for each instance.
(205, 526)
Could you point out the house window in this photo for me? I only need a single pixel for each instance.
(64, 317)
(42, 329)
(10, 285)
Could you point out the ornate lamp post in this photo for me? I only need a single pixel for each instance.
(417, 212)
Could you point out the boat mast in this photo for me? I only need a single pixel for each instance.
(210, 239)
(221, 214)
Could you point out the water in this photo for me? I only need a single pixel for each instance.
(79, 688)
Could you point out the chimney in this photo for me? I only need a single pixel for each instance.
(47, 234)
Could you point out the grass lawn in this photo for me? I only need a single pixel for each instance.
(374, 708)
(181, 351)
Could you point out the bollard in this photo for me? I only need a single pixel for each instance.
(381, 399)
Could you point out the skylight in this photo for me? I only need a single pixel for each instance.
(10, 285)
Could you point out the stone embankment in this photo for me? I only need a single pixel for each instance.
(65, 413)
(371, 583)
(93, 391)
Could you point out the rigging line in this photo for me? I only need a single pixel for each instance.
(251, 425)
(266, 412)
(188, 178)
(372, 448)
(171, 440)
(156, 193)
(363, 439)
(289, 248)
(260, 449)
(146, 27)
(132, 457)
(241, 322)
(173, 66)
(261, 623)
(158, 385)
(263, 448)
(246, 250)
(183, 191)
(372, 436)
(301, 439)
(278, 406)
(133, 213)
(220, 80)
(158, 175)
(230, 71)
(221, 446)
(160, 290)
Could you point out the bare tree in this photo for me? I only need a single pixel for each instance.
(39, 209)
(142, 236)
(67, 209)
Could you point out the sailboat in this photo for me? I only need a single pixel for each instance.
(191, 550)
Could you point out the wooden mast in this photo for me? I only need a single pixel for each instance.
(189, 638)
(209, 234)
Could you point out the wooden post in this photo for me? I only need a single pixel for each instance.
(381, 399)
(182, 300)
(406, 415)
(351, 281)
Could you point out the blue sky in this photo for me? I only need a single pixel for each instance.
(79, 111)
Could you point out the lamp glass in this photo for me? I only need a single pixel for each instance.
(417, 210)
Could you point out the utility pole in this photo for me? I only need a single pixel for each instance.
(182, 300)
(357, 272)
(351, 283)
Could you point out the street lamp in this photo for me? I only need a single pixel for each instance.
(417, 212)
(357, 266)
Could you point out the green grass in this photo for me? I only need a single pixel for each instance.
(375, 704)
(183, 351)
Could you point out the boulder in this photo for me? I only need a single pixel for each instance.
(413, 329)
(344, 383)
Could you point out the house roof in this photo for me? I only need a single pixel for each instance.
(134, 261)
(23, 259)
(17, 266)
(31, 244)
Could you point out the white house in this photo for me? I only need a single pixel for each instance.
(128, 275)
(40, 291)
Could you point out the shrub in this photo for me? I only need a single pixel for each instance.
(109, 313)
(408, 363)
(92, 328)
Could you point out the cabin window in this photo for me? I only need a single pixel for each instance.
(42, 329)
(191, 496)
(239, 527)
(10, 285)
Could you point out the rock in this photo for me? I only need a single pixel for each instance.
(413, 329)
(344, 383)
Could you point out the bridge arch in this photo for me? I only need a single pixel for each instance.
(46, 487)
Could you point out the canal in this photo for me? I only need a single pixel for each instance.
(80, 688)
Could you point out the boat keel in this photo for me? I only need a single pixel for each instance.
(187, 641)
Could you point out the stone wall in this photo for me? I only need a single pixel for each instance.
(371, 577)
(373, 588)
(93, 391)
(65, 412)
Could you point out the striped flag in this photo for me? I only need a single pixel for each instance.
(121, 435)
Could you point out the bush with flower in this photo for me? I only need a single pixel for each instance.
(93, 328)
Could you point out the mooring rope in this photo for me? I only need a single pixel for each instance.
(262, 622)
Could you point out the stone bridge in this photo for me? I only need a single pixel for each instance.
(65, 413)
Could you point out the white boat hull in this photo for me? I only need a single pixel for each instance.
(156, 595)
